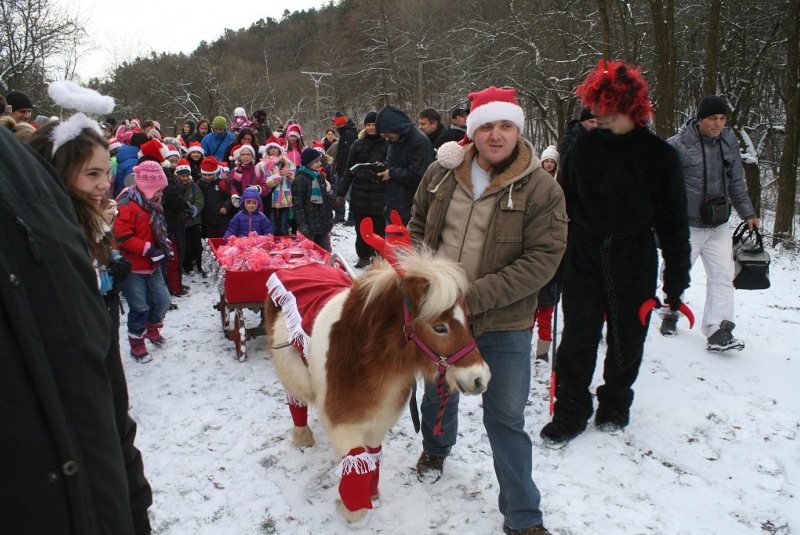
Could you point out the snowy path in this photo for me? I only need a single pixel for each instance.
(712, 447)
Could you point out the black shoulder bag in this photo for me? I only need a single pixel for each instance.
(716, 209)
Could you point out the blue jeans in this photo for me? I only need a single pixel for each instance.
(508, 356)
(148, 300)
(279, 219)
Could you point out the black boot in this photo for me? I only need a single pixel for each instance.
(669, 326)
(611, 419)
(561, 430)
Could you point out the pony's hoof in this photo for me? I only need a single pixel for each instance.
(354, 518)
(302, 437)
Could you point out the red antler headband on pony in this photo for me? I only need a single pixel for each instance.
(617, 88)
(397, 237)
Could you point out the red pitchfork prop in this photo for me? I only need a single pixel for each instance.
(654, 302)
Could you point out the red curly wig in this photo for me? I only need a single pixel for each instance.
(617, 88)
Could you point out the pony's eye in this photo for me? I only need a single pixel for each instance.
(440, 328)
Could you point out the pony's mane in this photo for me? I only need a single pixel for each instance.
(447, 281)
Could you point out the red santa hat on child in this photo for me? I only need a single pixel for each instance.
(183, 165)
(195, 146)
(172, 150)
(488, 106)
(271, 142)
(209, 166)
(114, 144)
(154, 149)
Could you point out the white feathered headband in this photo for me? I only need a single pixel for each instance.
(72, 96)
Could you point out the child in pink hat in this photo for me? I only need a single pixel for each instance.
(142, 239)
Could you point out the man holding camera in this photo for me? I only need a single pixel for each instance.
(714, 177)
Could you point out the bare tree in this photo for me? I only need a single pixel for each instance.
(31, 33)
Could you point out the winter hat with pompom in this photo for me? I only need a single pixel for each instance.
(149, 178)
(494, 104)
(550, 153)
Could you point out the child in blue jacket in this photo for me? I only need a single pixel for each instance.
(250, 217)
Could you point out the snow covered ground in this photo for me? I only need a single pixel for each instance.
(713, 446)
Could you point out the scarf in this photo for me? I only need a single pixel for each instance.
(157, 223)
(316, 192)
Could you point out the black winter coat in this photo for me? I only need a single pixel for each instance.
(174, 202)
(433, 137)
(217, 194)
(369, 191)
(347, 136)
(574, 129)
(311, 218)
(70, 466)
(408, 159)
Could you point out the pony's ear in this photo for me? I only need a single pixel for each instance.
(416, 288)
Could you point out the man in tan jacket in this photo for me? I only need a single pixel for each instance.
(490, 206)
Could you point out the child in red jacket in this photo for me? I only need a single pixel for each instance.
(142, 239)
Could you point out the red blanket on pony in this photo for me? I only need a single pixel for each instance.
(301, 292)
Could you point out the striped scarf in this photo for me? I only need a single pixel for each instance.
(157, 222)
(316, 192)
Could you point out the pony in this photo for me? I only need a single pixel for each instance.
(369, 342)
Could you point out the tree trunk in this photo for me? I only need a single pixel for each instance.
(787, 179)
(710, 75)
(663, 15)
(752, 177)
(602, 9)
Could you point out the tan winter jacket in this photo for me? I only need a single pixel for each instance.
(510, 241)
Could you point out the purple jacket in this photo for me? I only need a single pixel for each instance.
(244, 222)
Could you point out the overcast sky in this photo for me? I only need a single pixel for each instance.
(127, 29)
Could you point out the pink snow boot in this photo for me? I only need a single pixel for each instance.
(153, 335)
(138, 350)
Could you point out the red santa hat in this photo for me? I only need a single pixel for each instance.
(237, 151)
(271, 142)
(154, 149)
(488, 106)
(195, 146)
(209, 166)
(114, 144)
(183, 165)
(494, 104)
(172, 150)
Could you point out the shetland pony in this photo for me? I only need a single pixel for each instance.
(361, 368)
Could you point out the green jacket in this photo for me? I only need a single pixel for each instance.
(509, 241)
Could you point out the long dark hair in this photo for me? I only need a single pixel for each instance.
(68, 160)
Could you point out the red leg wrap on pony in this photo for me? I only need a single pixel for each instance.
(373, 486)
(358, 470)
(299, 411)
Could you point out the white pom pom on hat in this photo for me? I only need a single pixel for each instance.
(450, 155)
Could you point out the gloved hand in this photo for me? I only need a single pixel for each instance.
(193, 211)
(119, 268)
(235, 200)
(673, 303)
(256, 187)
(155, 254)
(339, 202)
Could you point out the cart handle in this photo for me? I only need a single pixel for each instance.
(337, 257)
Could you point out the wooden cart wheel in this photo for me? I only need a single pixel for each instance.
(239, 335)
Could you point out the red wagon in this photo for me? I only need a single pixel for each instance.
(240, 290)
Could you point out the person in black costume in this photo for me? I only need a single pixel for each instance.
(65, 435)
(620, 182)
